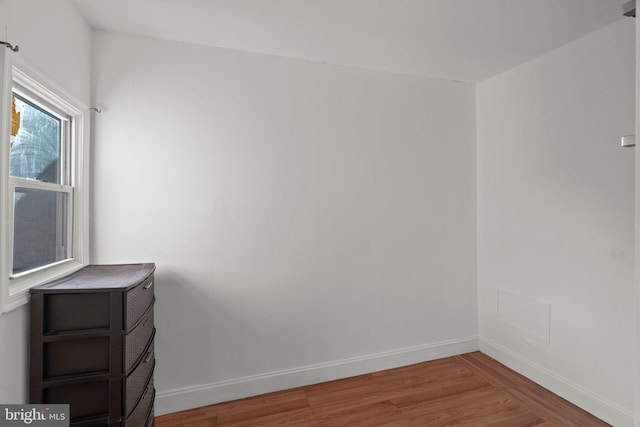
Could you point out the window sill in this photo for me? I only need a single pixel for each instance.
(18, 289)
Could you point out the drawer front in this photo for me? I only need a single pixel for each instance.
(137, 341)
(75, 312)
(136, 383)
(138, 301)
(90, 399)
(143, 410)
(75, 357)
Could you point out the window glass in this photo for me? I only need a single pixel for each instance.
(40, 231)
(35, 151)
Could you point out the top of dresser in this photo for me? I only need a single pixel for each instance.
(100, 277)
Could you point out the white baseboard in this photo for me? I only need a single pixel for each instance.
(574, 393)
(168, 401)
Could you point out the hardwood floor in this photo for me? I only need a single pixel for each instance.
(471, 389)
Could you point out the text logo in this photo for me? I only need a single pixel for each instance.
(34, 415)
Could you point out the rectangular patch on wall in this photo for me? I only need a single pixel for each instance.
(524, 313)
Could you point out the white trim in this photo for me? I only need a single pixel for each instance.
(574, 393)
(180, 399)
(637, 235)
(14, 291)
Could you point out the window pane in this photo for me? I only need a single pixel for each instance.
(40, 228)
(36, 147)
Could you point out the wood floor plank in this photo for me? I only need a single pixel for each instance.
(292, 418)
(199, 417)
(545, 403)
(260, 406)
(552, 407)
(356, 414)
(423, 374)
(400, 423)
(431, 392)
(497, 374)
(520, 419)
(466, 390)
(349, 388)
(480, 405)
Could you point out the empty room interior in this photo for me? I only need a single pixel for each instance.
(333, 188)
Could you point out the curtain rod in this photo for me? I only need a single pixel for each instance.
(10, 46)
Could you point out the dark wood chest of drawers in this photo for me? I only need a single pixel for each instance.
(91, 345)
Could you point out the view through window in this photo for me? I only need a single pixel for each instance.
(40, 184)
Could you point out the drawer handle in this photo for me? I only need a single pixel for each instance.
(149, 356)
(148, 285)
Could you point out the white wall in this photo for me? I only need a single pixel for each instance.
(556, 220)
(54, 39)
(307, 220)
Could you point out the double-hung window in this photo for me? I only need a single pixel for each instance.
(40, 183)
(43, 175)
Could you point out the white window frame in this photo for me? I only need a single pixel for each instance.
(14, 289)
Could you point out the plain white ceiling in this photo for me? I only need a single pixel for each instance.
(465, 40)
